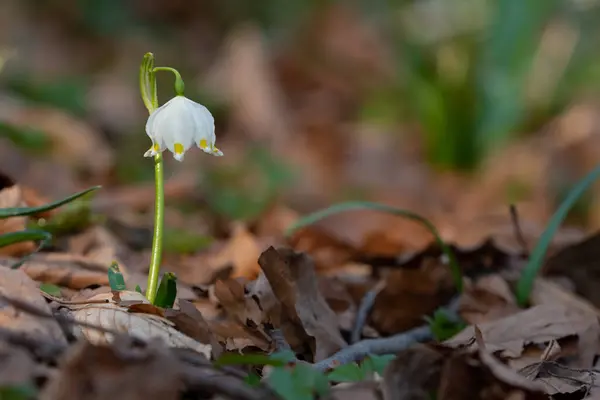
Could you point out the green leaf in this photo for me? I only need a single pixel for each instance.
(536, 259)
(378, 363)
(443, 325)
(74, 217)
(357, 205)
(51, 289)
(167, 291)
(22, 211)
(138, 289)
(115, 278)
(347, 373)
(24, 236)
(300, 383)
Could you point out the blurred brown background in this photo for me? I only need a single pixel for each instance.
(451, 108)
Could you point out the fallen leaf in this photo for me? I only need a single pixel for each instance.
(62, 269)
(502, 371)
(292, 278)
(539, 324)
(14, 284)
(487, 299)
(119, 371)
(118, 319)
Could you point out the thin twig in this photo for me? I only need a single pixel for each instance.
(514, 216)
(388, 345)
(213, 380)
(280, 343)
(363, 311)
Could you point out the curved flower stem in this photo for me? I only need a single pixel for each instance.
(159, 217)
(179, 86)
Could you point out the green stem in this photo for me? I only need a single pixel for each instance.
(179, 86)
(159, 217)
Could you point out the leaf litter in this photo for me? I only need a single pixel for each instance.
(334, 294)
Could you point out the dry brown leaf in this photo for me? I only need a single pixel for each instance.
(118, 319)
(14, 284)
(189, 320)
(293, 280)
(487, 299)
(62, 269)
(120, 371)
(11, 196)
(502, 371)
(413, 374)
(243, 309)
(237, 337)
(536, 325)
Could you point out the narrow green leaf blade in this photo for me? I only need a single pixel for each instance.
(138, 289)
(51, 289)
(167, 291)
(115, 278)
(365, 205)
(536, 259)
(22, 211)
(23, 236)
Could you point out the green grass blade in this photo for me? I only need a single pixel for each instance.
(535, 262)
(364, 205)
(23, 236)
(21, 211)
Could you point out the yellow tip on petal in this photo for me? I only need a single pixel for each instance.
(203, 144)
(178, 148)
(156, 147)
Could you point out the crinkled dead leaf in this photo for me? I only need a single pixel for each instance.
(536, 325)
(231, 296)
(14, 284)
(413, 374)
(62, 269)
(189, 320)
(237, 337)
(487, 299)
(118, 319)
(501, 370)
(292, 278)
(118, 371)
(327, 250)
(12, 196)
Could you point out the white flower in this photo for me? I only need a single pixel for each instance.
(179, 124)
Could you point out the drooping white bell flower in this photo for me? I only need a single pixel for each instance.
(179, 124)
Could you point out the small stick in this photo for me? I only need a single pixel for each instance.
(280, 343)
(363, 311)
(514, 216)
